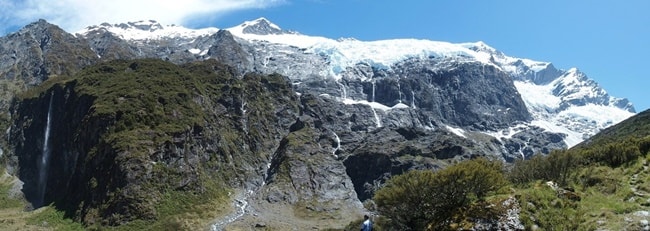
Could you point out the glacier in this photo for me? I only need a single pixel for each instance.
(562, 101)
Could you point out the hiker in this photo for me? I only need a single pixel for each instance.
(367, 224)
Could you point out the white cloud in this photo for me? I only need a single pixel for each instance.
(73, 15)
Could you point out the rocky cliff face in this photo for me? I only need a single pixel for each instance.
(37, 52)
(113, 155)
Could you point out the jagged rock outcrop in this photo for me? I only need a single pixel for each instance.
(41, 50)
(37, 52)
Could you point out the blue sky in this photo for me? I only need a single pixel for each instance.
(608, 40)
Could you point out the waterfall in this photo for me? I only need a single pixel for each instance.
(377, 119)
(338, 144)
(243, 105)
(243, 111)
(45, 158)
(413, 99)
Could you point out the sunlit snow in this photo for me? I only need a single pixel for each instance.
(132, 32)
(379, 54)
(458, 131)
(194, 51)
(538, 97)
(577, 122)
(374, 105)
(547, 103)
(572, 138)
(508, 132)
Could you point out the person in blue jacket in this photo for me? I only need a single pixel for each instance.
(367, 224)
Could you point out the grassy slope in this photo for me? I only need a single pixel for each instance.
(13, 215)
(613, 187)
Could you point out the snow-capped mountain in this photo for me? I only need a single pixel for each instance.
(342, 117)
(564, 101)
(559, 101)
(147, 30)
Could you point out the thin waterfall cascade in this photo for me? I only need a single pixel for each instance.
(413, 100)
(240, 202)
(338, 144)
(243, 109)
(377, 119)
(266, 172)
(243, 106)
(43, 165)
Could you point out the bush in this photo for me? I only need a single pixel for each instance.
(423, 199)
(616, 153)
(556, 166)
(541, 207)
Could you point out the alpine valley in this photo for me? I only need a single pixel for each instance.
(140, 125)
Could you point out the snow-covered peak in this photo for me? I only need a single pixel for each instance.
(344, 53)
(518, 68)
(260, 26)
(575, 102)
(560, 101)
(147, 30)
(574, 87)
(481, 46)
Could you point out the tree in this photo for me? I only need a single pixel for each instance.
(407, 199)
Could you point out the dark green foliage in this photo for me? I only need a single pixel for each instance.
(644, 146)
(480, 176)
(557, 166)
(612, 154)
(54, 220)
(420, 199)
(408, 199)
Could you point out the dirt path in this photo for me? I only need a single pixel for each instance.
(634, 183)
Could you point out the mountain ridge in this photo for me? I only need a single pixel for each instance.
(352, 113)
(272, 49)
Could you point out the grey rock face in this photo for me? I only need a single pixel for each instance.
(573, 92)
(225, 49)
(35, 53)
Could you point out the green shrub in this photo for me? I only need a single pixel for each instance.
(420, 199)
(53, 219)
(541, 207)
(556, 166)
